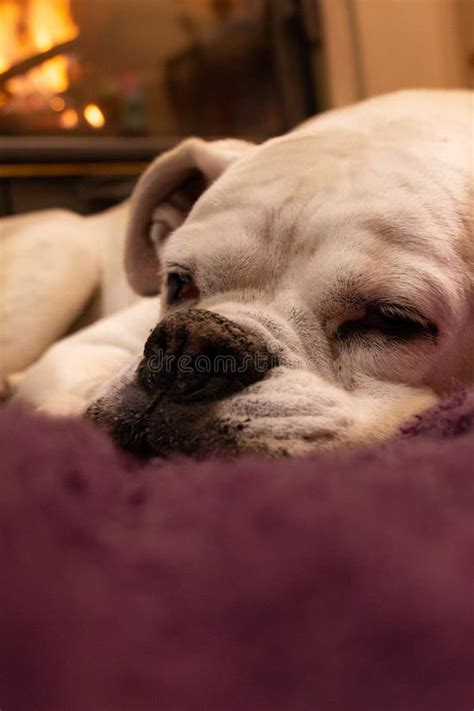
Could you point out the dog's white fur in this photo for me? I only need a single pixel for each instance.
(373, 202)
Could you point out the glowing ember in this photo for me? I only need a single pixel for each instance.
(94, 116)
(28, 28)
(69, 119)
(57, 104)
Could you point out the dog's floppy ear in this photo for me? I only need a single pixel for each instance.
(163, 198)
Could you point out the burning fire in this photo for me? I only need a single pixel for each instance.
(28, 28)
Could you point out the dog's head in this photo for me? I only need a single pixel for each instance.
(316, 290)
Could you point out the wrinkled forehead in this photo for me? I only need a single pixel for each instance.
(281, 173)
(294, 195)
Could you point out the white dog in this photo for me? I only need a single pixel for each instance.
(316, 290)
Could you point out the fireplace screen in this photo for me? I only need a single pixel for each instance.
(155, 67)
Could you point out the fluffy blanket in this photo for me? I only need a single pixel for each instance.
(342, 581)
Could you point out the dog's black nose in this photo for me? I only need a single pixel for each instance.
(197, 355)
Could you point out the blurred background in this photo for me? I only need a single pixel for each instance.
(91, 90)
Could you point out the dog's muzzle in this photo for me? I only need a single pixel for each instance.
(191, 360)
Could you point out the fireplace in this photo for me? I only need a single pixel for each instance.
(91, 91)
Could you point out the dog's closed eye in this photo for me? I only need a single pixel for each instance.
(180, 286)
(389, 320)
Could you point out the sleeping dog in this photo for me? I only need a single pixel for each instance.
(316, 290)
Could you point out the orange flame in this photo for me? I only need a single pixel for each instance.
(33, 26)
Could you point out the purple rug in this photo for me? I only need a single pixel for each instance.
(341, 582)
